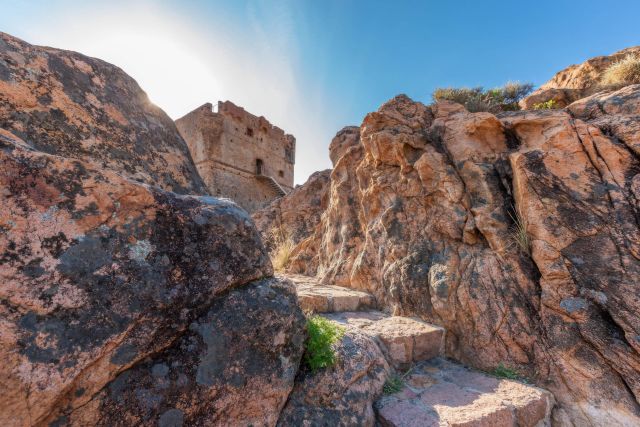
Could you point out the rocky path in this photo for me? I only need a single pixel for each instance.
(431, 390)
(317, 298)
(438, 392)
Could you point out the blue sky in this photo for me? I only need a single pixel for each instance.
(312, 67)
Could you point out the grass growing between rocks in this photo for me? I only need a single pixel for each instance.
(393, 385)
(504, 372)
(283, 246)
(622, 73)
(322, 335)
(519, 233)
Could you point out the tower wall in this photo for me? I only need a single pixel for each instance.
(228, 145)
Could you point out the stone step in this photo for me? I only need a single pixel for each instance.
(442, 393)
(317, 298)
(403, 340)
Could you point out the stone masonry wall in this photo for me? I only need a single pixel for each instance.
(227, 146)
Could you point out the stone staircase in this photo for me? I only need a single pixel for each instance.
(434, 391)
(404, 340)
(317, 298)
(273, 184)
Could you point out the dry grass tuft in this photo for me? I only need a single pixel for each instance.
(282, 249)
(519, 233)
(622, 73)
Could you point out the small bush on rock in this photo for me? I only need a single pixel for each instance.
(502, 371)
(322, 335)
(477, 99)
(622, 73)
(548, 105)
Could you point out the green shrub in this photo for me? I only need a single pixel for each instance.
(477, 99)
(393, 385)
(502, 371)
(549, 105)
(322, 335)
(622, 73)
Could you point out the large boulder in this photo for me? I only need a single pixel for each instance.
(65, 103)
(235, 365)
(342, 395)
(518, 234)
(103, 275)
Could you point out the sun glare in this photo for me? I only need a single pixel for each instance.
(156, 50)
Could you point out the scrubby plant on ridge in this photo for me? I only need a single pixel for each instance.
(282, 248)
(494, 100)
(548, 105)
(622, 73)
(322, 335)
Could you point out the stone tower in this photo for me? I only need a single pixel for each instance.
(238, 155)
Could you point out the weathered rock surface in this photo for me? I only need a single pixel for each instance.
(342, 395)
(315, 297)
(403, 340)
(441, 393)
(65, 103)
(345, 139)
(300, 210)
(422, 214)
(234, 366)
(616, 113)
(560, 96)
(588, 73)
(576, 81)
(102, 275)
(338, 234)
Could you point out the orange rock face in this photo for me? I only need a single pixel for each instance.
(68, 104)
(588, 73)
(616, 113)
(122, 303)
(518, 234)
(300, 210)
(576, 81)
(109, 310)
